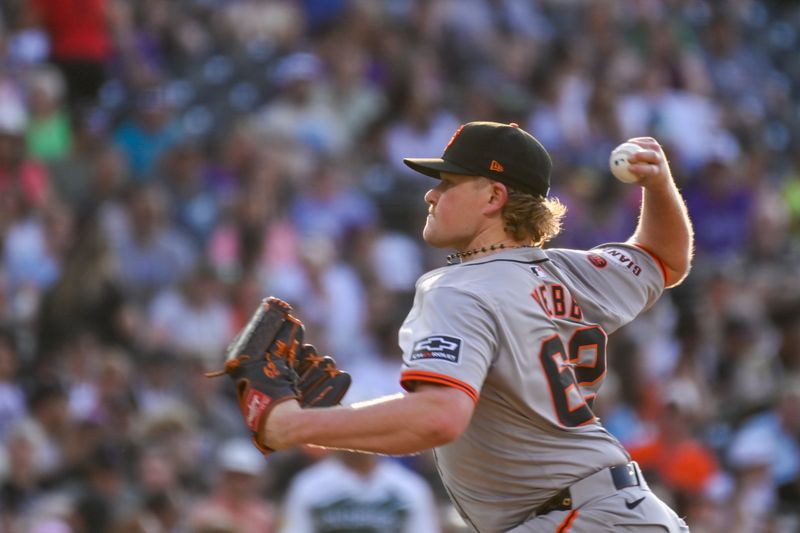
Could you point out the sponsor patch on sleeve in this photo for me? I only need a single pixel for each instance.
(597, 260)
(441, 347)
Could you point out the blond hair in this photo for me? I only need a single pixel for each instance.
(531, 218)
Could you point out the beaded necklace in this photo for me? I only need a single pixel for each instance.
(451, 259)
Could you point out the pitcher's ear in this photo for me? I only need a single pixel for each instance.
(497, 199)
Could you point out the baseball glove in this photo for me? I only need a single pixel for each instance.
(269, 364)
(320, 383)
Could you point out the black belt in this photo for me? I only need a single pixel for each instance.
(623, 476)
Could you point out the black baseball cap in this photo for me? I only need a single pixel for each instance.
(502, 152)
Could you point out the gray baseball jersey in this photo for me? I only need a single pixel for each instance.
(523, 332)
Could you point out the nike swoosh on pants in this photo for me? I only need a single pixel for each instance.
(634, 503)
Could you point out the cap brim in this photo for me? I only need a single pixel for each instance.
(434, 166)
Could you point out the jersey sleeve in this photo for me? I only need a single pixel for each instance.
(620, 280)
(448, 339)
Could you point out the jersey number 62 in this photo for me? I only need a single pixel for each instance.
(574, 373)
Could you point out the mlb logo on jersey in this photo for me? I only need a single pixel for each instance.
(441, 347)
(538, 272)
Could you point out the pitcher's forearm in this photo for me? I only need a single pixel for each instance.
(664, 228)
(394, 425)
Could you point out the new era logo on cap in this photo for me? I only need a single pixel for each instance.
(477, 149)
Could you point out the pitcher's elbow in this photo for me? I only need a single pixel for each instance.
(444, 413)
(443, 429)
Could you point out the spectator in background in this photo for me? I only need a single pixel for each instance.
(790, 190)
(765, 451)
(603, 128)
(157, 512)
(192, 320)
(747, 374)
(81, 44)
(23, 182)
(331, 205)
(240, 245)
(736, 69)
(148, 41)
(234, 160)
(106, 181)
(193, 205)
(19, 476)
(167, 434)
(753, 500)
(23, 38)
(544, 115)
(101, 389)
(104, 495)
(689, 122)
(597, 208)
(349, 491)
(73, 175)
(276, 24)
(786, 318)
(356, 101)
(235, 502)
(374, 248)
(692, 373)
(49, 133)
(423, 122)
(770, 242)
(151, 252)
(30, 258)
(52, 512)
(46, 429)
(88, 296)
(215, 411)
(243, 297)
(155, 386)
(721, 206)
(161, 499)
(12, 394)
(332, 297)
(147, 136)
(296, 113)
(672, 458)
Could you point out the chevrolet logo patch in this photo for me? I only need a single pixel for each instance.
(441, 347)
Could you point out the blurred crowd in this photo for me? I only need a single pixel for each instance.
(165, 164)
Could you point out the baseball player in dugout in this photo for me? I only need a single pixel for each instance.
(504, 348)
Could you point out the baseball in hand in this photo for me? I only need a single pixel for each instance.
(619, 164)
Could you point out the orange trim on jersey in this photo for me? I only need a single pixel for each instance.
(441, 379)
(567, 523)
(657, 259)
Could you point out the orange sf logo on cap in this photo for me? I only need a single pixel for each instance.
(495, 166)
(453, 138)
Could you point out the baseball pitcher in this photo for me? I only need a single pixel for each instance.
(504, 349)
